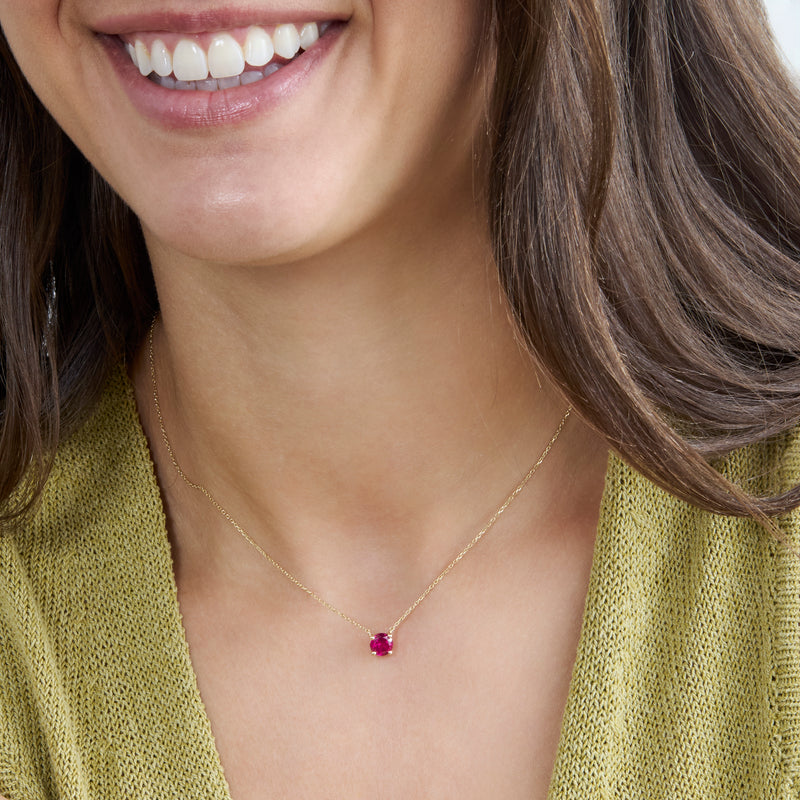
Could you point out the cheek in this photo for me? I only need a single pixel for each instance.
(34, 36)
(427, 54)
(30, 36)
(53, 55)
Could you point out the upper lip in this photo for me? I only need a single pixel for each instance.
(211, 19)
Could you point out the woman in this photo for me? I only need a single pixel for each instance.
(390, 246)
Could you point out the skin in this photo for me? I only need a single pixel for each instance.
(336, 363)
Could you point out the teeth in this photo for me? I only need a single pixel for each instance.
(225, 57)
(230, 83)
(250, 77)
(286, 40)
(160, 59)
(258, 47)
(308, 35)
(189, 62)
(213, 84)
(143, 59)
(227, 64)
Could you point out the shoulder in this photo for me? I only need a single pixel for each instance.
(634, 504)
(678, 558)
(99, 498)
(60, 569)
(95, 474)
(691, 640)
(766, 468)
(99, 494)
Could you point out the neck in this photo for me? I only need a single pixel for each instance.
(374, 402)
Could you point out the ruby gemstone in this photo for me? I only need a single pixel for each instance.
(381, 644)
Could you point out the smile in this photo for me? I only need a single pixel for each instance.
(223, 59)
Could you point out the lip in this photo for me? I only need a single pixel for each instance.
(211, 20)
(179, 109)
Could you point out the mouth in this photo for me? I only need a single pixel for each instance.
(222, 59)
(221, 67)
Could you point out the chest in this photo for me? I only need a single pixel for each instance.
(469, 705)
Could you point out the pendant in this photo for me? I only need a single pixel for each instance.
(381, 644)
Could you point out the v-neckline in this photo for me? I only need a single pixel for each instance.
(159, 548)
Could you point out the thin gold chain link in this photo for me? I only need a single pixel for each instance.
(300, 585)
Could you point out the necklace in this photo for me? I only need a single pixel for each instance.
(381, 644)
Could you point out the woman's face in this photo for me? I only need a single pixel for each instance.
(374, 119)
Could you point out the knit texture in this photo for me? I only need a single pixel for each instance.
(686, 682)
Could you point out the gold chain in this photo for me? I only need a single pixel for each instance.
(300, 585)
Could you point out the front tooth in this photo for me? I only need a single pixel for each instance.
(225, 57)
(189, 61)
(230, 83)
(160, 59)
(286, 40)
(143, 58)
(250, 77)
(258, 49)
(308, 35)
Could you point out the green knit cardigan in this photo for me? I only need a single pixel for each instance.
(686, 682)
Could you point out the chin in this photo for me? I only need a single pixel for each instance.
(216, 219)
(236, 234)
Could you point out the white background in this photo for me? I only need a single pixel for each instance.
(785, 17)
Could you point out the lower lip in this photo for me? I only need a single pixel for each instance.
(175, 108)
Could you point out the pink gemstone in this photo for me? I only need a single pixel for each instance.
(381, 644)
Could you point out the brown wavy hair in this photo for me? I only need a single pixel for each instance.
(644, 194)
